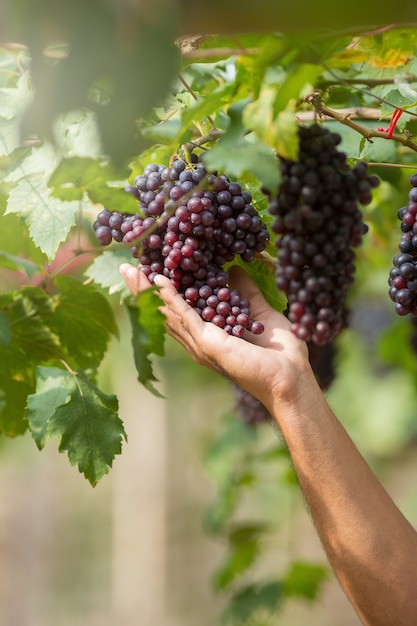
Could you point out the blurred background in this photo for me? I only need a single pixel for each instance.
(150, 544)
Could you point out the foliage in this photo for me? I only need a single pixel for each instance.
(64, 154)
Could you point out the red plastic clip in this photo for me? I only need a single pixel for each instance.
(390, 129)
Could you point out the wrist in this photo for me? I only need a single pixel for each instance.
(294, 396)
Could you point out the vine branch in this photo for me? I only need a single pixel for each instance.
(367, 133)
(369, 82)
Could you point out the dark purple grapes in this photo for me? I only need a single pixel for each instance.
(402, 277)
(248, 408)
(318, 222)
(190, 224)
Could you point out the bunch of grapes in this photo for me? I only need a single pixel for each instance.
(403, 275)
(323, 363)
(191, 224)
(248, 408)
(318, 222)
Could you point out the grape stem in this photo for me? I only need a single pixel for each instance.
(410, 167)
(215, 133)
(194, 95)
(369, 82)
(364, 113)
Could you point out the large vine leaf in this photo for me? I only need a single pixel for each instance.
(305, 579)
(13, 394)
(29, 314)
(25, 340)
(49, 220)
(77, 176)
(12, 262)
(84, 321)
(69, 406)
(244, 548)
(236, 155)
(148, 333)
(249, 600)
(277, 130)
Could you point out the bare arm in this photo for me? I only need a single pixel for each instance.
(370, 545)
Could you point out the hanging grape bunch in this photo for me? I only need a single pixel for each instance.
(403, 275)
(190, 240)
(319, 223)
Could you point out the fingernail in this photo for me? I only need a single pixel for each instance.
(124, 268)
(157, 279)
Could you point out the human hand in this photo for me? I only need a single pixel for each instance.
(271, 366)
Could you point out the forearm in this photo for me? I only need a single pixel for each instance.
(370, 545)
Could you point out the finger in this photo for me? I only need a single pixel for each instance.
(180, 315)
(136, 280)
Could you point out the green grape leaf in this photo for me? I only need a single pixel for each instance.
(76, 177)
(380, 151)
(13, 394)
(9, 136)
(264, 275)
(14, 100)
(305, 580)
(84, 321)
(104, 270)
(69, 181)
(29, 313)
(205, 106)
(113, 198)
(148, 332)
(15, 239)
(236, 154)
(77, 133)
(5, 330)
(244, 548)
(277, 130)
(165, 132)
(49, 220)
(286, 129)
(404, 97)
(37, 163)
(69, 406)
(247, 601)
(12, 262)
(222, 508)
(300, 77)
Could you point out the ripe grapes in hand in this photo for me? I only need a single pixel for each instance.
(318, 223)
(191, 223)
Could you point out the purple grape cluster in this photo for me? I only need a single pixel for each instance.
(248, 408)
(323, 362)
(318, 222)
(403, 275)
(191, 224)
